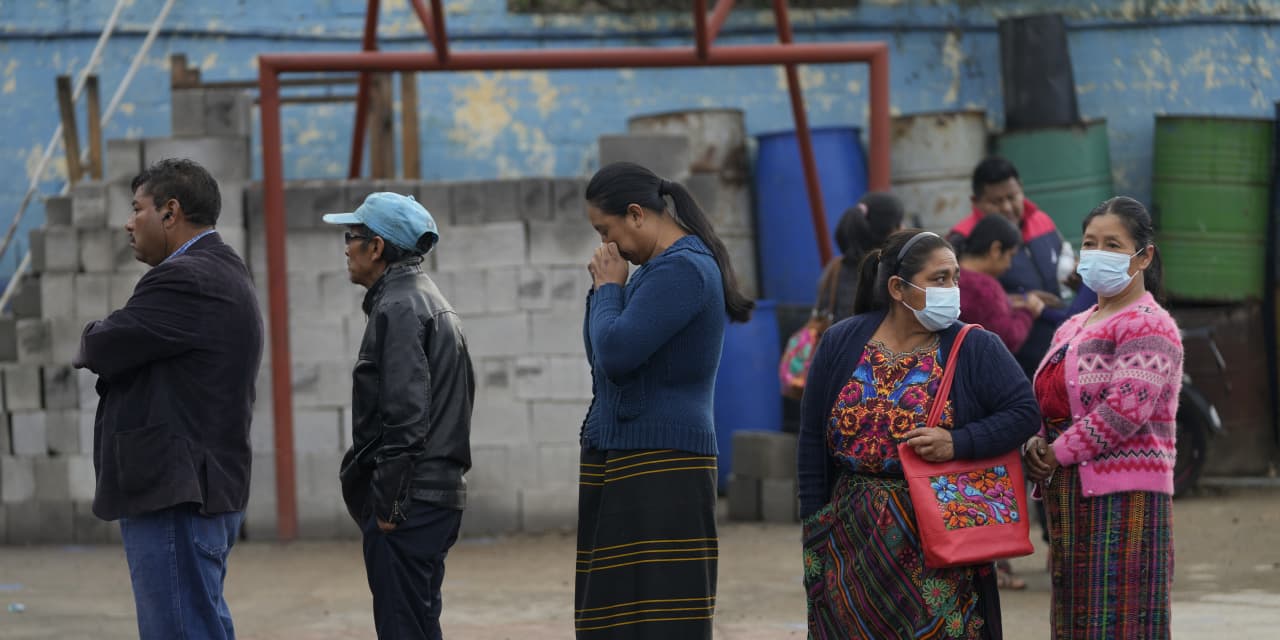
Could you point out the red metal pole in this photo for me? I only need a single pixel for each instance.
(278, 299)
(601, 58)
(700, 27)
(879, 177)
(369, 43)
(718, 16)
(433, 23)
(812, 186)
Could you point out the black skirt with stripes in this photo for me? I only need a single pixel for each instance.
(646, 545)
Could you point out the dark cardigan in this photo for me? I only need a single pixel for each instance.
(994, 405)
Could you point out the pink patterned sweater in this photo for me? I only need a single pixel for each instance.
(1123, 379)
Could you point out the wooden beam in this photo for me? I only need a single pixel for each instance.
(70, 137)
(382, 149)
(409, 160)
(94, 118)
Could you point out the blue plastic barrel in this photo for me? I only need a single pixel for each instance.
(748, 394)
(789, 259)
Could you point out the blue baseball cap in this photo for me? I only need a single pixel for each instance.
(398, 219)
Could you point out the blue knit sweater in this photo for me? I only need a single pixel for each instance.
(654, 348)
(995, 408)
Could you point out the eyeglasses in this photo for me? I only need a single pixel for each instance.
(349, 236)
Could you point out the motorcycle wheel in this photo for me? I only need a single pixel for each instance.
(1192, 448)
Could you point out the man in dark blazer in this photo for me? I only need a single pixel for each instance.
(176, 370)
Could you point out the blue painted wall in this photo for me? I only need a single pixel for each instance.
(1132, 59)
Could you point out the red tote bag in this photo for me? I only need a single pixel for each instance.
(968, 511)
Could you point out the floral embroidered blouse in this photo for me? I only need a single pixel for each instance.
(888, 395)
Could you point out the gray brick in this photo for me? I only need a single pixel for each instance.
(485, 202)
(232, 217)
(744, 498)
(321, 384)
(499, 419)
(224, 158)
(260, 513)
(558, 464)
(119, 203)
(25, 302)
(124, 160)
(61, 387)
(58, 295)
(38, 522)
(437, 198)
(353, 328)
(554, 509)
(89, 205)
(501, 244)
(86, 386)
(314, 251)
(553, 378)
(237, 239)
(533, 288)
(262, 436)
(491, 513)
(99, 249)
(57, 211)
(314, 340)
(88, 528)
(558, 331)
(8, 339)
(316, 430)
(54, 250)
(33, 341)
(563, 244)
(81, 478)
(467, 294)
(53, 479)
(778, 500)
(92, 295)
(491, 468)
(535, 199)
(496, 335)
(307, 200)
(227, 112)
(23, 387)
(121, 288)
(338, 295)
(85, 421)
(569, 284)
(6, 448)
(28, 433)
(666, 155)
(17, 479)
(62, 427)
(321, 513)
(186, 113)
(568, 199)
(64, 339)
(501, 288)
(764, 454)
(558, 421)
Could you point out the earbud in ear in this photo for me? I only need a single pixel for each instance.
(168, 215)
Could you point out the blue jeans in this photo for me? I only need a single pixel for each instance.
(177, 563)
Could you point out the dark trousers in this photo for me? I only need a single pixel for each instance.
(406, 569)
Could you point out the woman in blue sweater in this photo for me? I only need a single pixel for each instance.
(646, 564)
(870, 387)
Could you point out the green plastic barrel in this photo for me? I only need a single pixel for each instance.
(1211, 198)
(1064, 170)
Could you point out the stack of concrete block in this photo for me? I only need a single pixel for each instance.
(511, 261)
(762, 485)
(717, 178)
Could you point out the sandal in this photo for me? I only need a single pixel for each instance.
(1005, 579)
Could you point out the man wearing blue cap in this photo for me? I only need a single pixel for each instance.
(402, 479)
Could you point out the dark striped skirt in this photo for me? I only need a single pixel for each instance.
(865, 577)
(1112, 561)
(646, 545)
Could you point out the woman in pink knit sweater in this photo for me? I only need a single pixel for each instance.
(1108, 391)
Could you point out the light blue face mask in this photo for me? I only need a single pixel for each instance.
(941, 307)
(1106, 272)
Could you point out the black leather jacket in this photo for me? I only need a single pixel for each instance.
(411, 402)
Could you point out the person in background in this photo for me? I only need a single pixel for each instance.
(986, 256)
(873, 381)
(413, 387)
(646, 565)
(997, 190)
(1104, 457)
(863, 227)
(176, 371)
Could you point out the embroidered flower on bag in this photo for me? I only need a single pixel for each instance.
(976, 498)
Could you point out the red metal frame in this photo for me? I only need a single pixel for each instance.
(702, 54)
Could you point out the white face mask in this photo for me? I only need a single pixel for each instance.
(1106, 272)
(941, 307)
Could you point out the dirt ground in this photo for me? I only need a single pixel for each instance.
(1227, 584)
